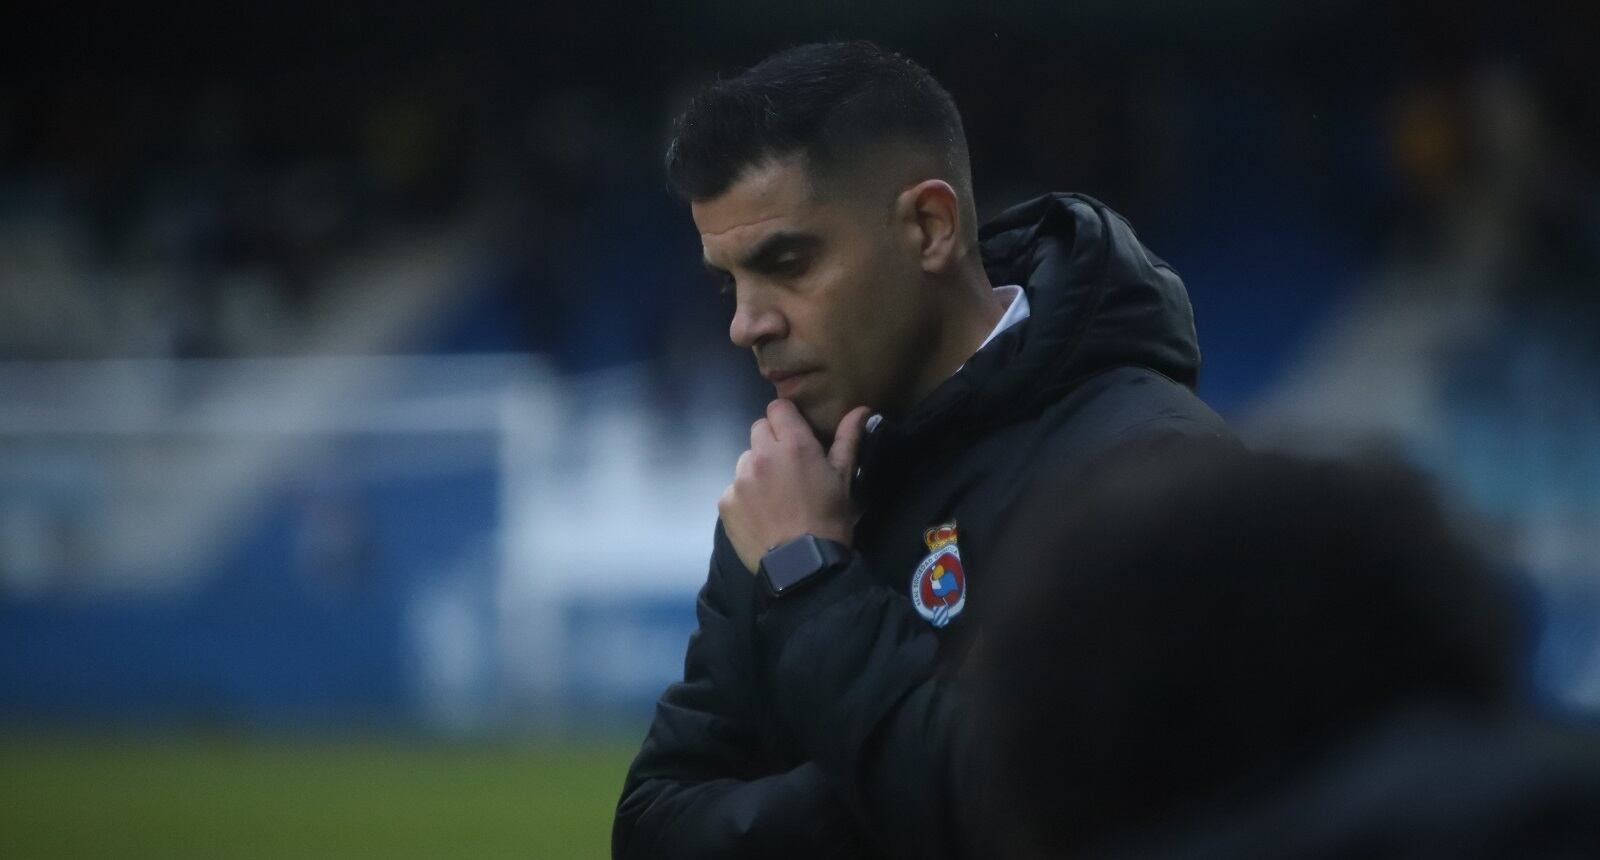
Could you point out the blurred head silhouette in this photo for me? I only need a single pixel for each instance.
(1187, 634)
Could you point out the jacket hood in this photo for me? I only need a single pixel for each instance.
(1099, 299)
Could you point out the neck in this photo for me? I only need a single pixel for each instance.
(974, 310)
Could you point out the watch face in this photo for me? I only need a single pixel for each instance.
(792, 563)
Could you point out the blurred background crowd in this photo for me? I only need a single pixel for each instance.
(357, 371)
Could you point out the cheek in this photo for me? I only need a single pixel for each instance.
(871, 333)
(853, 322)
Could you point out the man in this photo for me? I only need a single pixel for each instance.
(820, 712)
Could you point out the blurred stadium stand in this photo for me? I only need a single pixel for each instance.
(447, 540)
(369, 380)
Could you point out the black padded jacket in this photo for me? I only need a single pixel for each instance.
(833, 723)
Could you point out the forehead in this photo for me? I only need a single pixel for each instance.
(764, 199)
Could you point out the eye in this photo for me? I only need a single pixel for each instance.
(791, 266)
(725, 284)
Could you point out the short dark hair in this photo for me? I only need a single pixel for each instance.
(1182, 630)
(828, 102)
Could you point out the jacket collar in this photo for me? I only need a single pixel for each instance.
(1099, 299)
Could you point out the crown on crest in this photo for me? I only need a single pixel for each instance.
(940, 536)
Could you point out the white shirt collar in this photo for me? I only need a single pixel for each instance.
(1017, 310)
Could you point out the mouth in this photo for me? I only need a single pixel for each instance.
(787, 381)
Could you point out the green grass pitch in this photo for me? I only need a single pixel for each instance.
(63, 797)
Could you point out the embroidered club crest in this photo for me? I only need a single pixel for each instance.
(939, 587)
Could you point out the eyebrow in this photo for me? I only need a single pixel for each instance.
(765, 255)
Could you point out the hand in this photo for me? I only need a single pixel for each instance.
(786, 485)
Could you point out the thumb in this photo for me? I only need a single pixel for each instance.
(847, 440)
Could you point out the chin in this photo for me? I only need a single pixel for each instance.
(823, 418)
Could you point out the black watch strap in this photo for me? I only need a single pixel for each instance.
(796, 563)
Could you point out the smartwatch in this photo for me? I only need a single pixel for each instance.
(791, 565)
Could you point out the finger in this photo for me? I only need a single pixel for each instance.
(742, 467)
(787, 423)
(847, 440)
(760, 432)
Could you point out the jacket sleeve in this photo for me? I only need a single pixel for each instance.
(855, 672)
(701, 786)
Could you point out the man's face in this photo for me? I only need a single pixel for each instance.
(825, 288)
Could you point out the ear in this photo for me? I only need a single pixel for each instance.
(930, 212)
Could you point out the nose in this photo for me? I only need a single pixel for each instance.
(755, 324)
